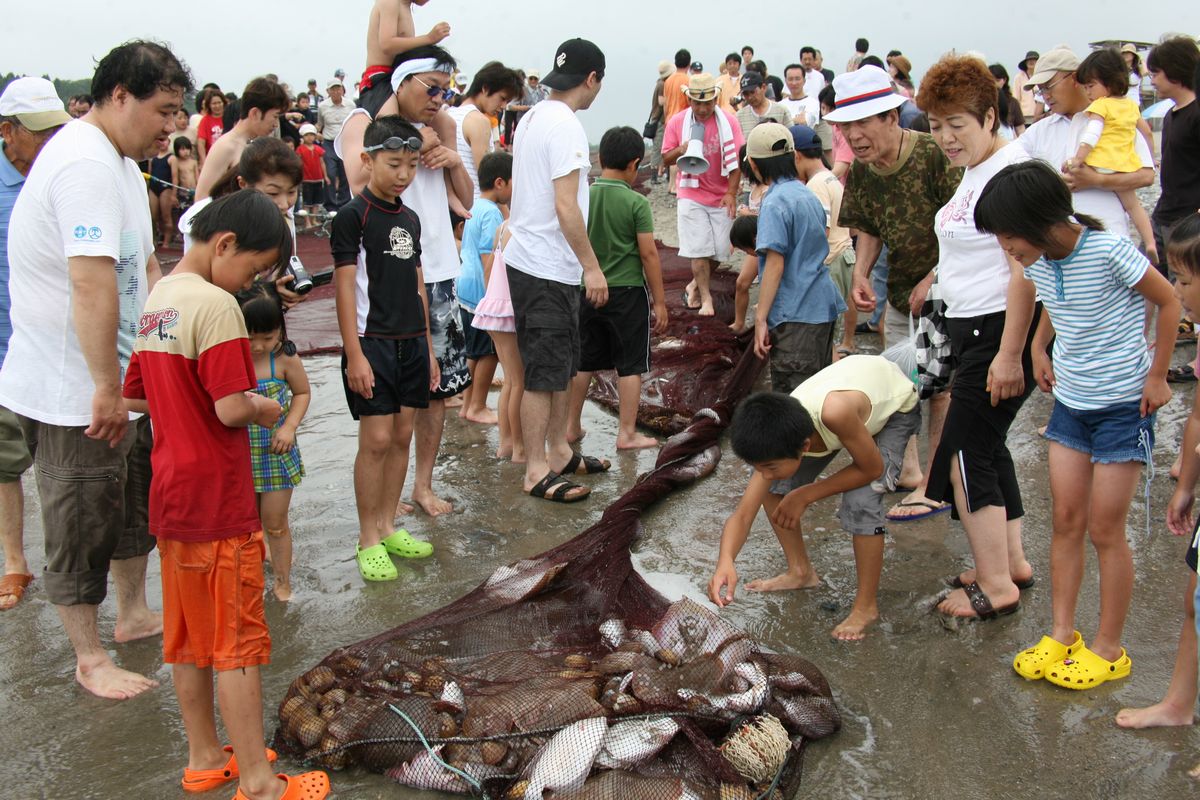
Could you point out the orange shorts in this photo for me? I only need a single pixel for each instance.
(213, 603)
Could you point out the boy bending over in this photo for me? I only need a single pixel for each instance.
(863, 404)
(191, 370)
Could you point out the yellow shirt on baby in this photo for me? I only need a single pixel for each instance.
(885, 386)
(1115, 150)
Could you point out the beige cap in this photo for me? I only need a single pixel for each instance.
(35, 104)
(1060, 59)
(768, 140)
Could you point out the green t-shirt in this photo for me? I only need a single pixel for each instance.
(899, 205)
(616, 215)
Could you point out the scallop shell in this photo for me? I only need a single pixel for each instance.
(668, 657)
(289, 709)
(335, 697)
(577, 661)
(320, 679)
(415, 678)
(311, 729)
(333, 758)
(517, 791)
(433, 684)
(493, 752)
(447, 726)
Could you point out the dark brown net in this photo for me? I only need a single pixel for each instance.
(566, 675)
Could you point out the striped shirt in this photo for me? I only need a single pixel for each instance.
(1100, 355)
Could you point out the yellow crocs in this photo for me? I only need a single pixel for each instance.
(1031, 664)
(1086, 670)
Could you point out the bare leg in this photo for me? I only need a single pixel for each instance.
(701, 272)
(868, 565)
(194, 688)
(800, 573)
(1178, 705)
(135, 620)
(544, 423)
(370, 478)
(1114, 486)
(429, 425)
(629, 394)
(273, 511)
(577, 396)
(1141, 221)
(395, 465)
(849, 323)
(475, 407)
(910, 472)
(165, 209)
(240, 694)
(1071, 490)
(94, 670)
(741, 296)
(1018, 566)
(514, 385)
(12, 519)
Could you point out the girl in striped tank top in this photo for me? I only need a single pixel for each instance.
(1107, 384)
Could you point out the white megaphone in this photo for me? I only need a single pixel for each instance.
(693, 162)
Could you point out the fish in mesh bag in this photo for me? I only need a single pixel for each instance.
(565, 675)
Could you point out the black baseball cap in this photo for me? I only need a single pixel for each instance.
(752, 80)
(574, 61)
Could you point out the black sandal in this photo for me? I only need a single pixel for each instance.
(554, 487)
(591, 465)
(982, 604)
(1181, 374)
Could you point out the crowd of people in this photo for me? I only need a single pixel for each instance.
(994, 217)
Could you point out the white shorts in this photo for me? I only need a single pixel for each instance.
(703, 231)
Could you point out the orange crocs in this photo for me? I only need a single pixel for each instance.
(309, 786)
(202, 780)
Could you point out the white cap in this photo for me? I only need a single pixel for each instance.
(35, 104)
(307, 128)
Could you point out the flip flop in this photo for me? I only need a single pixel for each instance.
(1083, 669)
(374, 564)
(933, 508)
(591, 465)
(203, 780)
(982, 604)
(309, 786)
(403, 545)
(554, 487)
(955, 582)
(1031, 664)
(14, 585)
(1181, 374)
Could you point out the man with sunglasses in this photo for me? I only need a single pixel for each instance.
(1055, 137)
(547, 258)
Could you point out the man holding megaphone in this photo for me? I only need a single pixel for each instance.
(703, 141)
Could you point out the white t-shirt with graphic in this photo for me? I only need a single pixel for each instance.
(82, 198)
(809, 106)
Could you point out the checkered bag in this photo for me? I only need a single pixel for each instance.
(935, 361)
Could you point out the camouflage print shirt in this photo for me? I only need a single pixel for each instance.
(898, 205)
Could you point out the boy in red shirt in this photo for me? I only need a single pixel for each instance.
(191, 371)
(312, 155)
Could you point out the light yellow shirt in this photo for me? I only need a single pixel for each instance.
(1115, 150)
(886, 388)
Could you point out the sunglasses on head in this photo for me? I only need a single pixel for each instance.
(434, 91)
(397, 143)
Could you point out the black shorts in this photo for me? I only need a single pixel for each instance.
(401, 368)
(975, 435)
(616, 336)
(313, 192)
(547, 318)
(374, 97)
(479, 343)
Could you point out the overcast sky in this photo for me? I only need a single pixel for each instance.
(229, 42)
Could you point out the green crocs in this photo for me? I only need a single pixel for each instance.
(403, 545)
(374, 564)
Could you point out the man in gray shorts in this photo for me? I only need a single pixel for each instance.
(861, 404)
(82, 252)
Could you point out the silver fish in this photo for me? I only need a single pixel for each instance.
(520, 579)
(424, 772)
(565, 761)
(743, 702)
(612, 631)
(453, 695)
(628, 744)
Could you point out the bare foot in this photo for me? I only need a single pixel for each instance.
(1019, 575)
(854, 627)
(706, 310)
(576, 436)
(785, 581)
(1176, 465)
(636, 442)
(106, 679)
(454, 402)
(914, 505)
(1194, 772)
(956, 603)
(484, 417)
(403, 508)
(1042, 430)
(911, 478)
(431, 504)
(282, 591)
(518, 456)
(1159, 715)
(737, 327)
(138, 626)
(504, 451)
(691, 296)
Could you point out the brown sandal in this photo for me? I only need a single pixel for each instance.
(13, 585)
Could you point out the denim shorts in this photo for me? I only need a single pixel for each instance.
(1115, 434)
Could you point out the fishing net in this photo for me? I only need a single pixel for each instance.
(566, 675)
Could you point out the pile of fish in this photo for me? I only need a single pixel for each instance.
(640, 713)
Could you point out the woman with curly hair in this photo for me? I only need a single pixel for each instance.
(989, 308)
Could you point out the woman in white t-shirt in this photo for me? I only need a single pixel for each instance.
(989, 308)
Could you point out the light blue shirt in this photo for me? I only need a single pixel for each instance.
(791, 222)
(479, 234)
(11, 182)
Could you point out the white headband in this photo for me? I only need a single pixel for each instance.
(416, 67)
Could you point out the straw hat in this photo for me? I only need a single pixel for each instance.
(702, 87)
(665, 68)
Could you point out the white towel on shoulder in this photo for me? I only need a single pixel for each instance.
(729, 151)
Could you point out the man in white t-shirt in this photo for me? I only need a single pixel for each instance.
(1055, 137)
(804, 108)
(82, 261)
(546, 258)
(814, 79)
(421, 83)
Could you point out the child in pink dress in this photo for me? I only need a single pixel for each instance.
(494, 314)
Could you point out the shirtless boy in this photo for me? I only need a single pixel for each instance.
(863, 404)
(263, 100)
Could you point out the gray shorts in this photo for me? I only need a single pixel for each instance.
(799, 350)
(14, 453)
(95, 505)
(862, 512)
(895, 326)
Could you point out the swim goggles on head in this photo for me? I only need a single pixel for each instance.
(413, 143)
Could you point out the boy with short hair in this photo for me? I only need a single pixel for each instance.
(617, 335)
(191, 371)
(312, 155)
(478, 240)
(262, 101)
(863, 404)
(388, 365)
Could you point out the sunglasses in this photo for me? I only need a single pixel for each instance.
(434, 91)
(397, 143)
